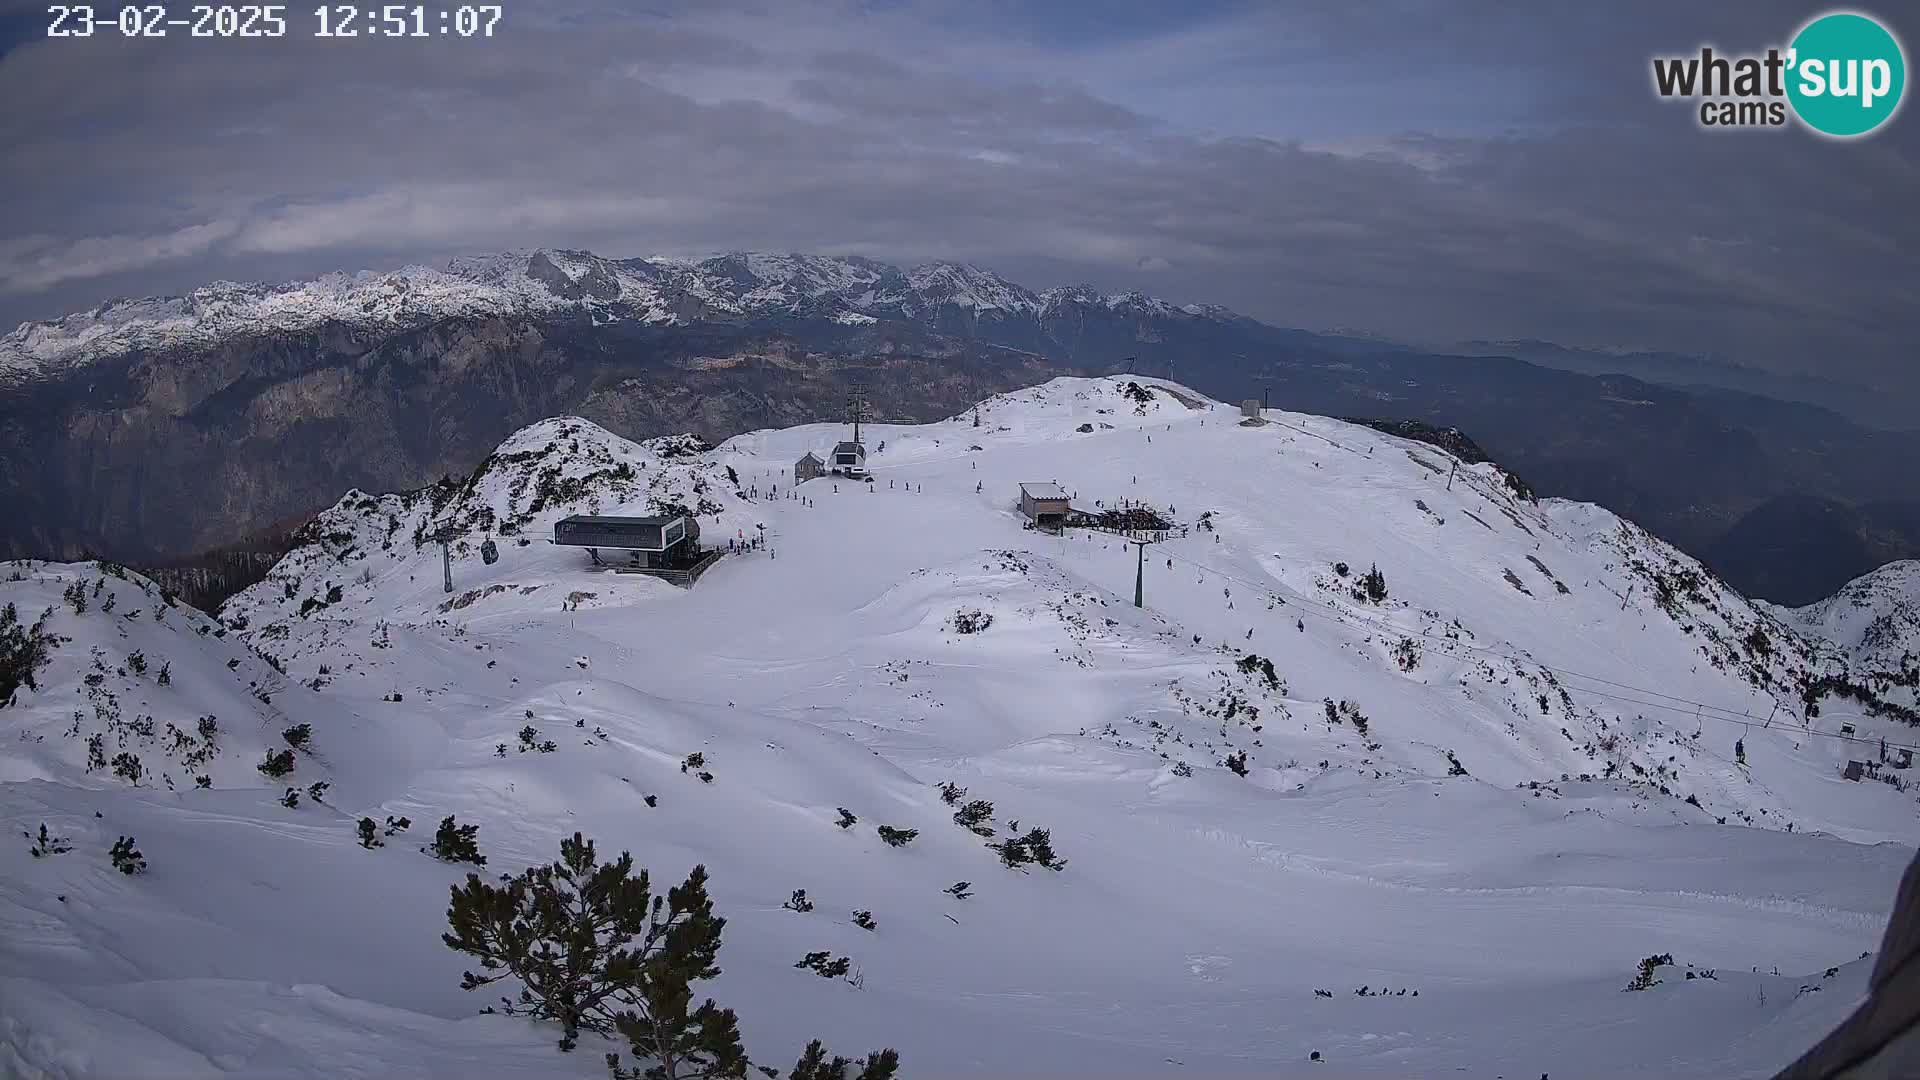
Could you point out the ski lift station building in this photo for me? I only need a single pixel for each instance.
(655, 541)
(1044, 504)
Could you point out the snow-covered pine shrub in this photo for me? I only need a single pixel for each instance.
(1181, 768)
(298, 736)
(1647, 979)
(1406, 653)
(695, 760)
(1035, 846)
(137, 662)
(1251, 664)
(126, 858)
(596, 950)
(369, 834)
(1237, 761)
(456, 843)
(277, 765)
(861, 919)
(48, 844)
(24, 650)
(847, 820)
(897, 837)
(317, 789)
(1372, 587)
(164, 676)
(798, 902)
(291, 800)
(127, 767)
(971, 621)
(959, 890)
(1454, 768)
(951, 793)
(397, 825)
(825, 965)
(1340, 569)
(976, 817)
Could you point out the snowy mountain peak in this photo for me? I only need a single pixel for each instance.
(655, 291)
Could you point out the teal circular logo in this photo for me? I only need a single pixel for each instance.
(1845, 74)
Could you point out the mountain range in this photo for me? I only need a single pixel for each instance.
(151, 430)
(1374, 764)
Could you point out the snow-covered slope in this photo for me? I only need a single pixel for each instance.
(1875, 618)
(653, 291)
(1497, 787)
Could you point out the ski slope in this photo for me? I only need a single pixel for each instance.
(1199, 909)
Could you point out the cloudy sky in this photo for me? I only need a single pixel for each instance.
(1427, 170)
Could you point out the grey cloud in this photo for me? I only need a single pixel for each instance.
(1574, 207)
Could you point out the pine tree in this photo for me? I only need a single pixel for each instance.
(298, 736)
(595, 949)
(291, 799)
(126, 858)
(861, 919)
(798, 902)
(959, 890)
(951, 793)
(456, 843)
(815, 1065)
(976, 817)
(47, 844)
(897, 837)
(847, 820)
(369, 834)
(277, 765)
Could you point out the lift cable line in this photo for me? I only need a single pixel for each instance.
(1672, 703)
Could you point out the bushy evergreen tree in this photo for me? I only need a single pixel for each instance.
(1035, 846)
(298, 736)
(897, 837)
(825, 965)
(47, 844)
(1373, 585)
(976, 817)
(798, 902)
(126, 858)
(24, 650)
(1237, 761)
(847, 820)
(861, 919)
(277, 765)
(370, 834)
(291, 800)
(951, 793)
(456, 843)
(814, 1064)
(595, 949)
